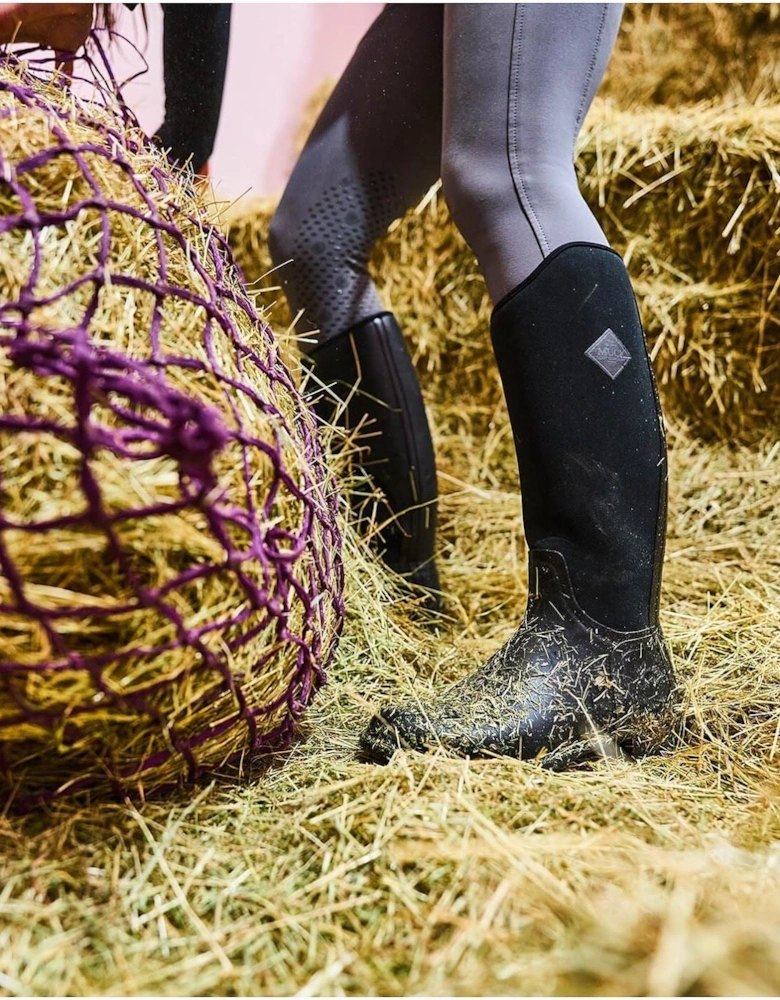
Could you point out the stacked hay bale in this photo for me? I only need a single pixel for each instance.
(170, 586)
(691, 197)
(675, 54)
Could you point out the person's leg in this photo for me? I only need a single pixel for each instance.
(519, 79)
(196, 38)
(373, 153)
(588, 666)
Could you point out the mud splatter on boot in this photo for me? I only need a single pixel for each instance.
(587, 672)
(562, 684)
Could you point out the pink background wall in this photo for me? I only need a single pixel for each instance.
(279, 54)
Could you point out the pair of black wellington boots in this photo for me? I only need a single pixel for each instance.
(587, 673)
(366, 383)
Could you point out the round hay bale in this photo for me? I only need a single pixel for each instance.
(170, 575)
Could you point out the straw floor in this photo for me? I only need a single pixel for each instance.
(436, 875)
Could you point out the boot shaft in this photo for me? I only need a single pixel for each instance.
(371, 386)
(588, 430)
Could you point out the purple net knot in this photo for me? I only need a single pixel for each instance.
(195, 435)
(44, 356)
(156, 418)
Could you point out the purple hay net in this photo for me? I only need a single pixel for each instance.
(155, 419)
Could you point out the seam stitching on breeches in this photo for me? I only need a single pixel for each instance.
(589, 78)
(512, 134)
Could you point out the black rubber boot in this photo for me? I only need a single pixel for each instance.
(371, 384)
(588, 672)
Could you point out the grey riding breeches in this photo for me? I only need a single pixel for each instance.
(489, 97)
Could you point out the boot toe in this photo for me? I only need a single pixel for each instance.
(391, 729)
(424, 580)
(480, 729)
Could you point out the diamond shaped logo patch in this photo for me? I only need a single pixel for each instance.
(609, 353)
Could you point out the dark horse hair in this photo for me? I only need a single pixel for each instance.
(105, 18)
